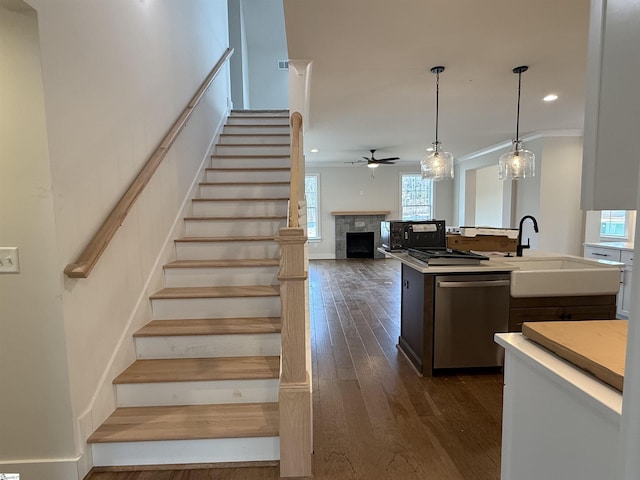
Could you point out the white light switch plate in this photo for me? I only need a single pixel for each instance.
(9, 260)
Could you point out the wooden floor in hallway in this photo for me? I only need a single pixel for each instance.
(374, 417)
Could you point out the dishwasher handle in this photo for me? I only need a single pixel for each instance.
(481, 284)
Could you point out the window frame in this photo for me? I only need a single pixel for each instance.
(317, 207)
(431, 195)
(615, 238)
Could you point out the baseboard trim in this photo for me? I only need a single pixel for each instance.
(185, 466)
(49, 468)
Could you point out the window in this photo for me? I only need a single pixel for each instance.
(416, 197)
(614, 224)
(311, 192)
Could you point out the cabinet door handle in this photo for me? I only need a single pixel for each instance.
(596, 254)
(481, 284)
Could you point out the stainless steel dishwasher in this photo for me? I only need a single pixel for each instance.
(469, 309)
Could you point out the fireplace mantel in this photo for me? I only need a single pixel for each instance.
(359, 213)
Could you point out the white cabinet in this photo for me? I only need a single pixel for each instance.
(616, 254)
(626, 257)
(610, 160)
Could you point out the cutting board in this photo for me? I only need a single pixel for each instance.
(597, 346)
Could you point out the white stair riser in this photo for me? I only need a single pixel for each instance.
(224, 228)
(252, 150)
(217, 450)
(281, 161)
(247, 176)
(254, 139)
(253, 120)
(244, 191)
(206, 346)
(240, 307)
(237, 208)
(225, 250)
(220, 276)
(256, 129)
(197, 393)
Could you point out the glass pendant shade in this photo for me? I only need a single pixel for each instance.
(516, 164)
(437, 165)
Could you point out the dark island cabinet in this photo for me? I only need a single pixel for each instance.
(545, 309)
(416, 327)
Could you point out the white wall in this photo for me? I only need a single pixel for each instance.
(561, 178)
(489, 201)
(35, 412)
(353, 188)
(466, 186)
(552, 196)
(116, 76)
(264, 41)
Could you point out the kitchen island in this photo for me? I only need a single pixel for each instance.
(558, 420)
(463, 337)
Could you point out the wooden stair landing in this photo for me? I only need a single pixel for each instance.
(200, 369)
(186, 422)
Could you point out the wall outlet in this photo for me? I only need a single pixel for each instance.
(9, 260)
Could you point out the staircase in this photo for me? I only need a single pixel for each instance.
(204, 386)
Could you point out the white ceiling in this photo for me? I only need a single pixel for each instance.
(371, 85)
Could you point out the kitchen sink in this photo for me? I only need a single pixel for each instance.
(562, 276)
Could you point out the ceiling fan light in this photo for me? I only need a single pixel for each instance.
(437, 166)
(373, 165)
(516, 164)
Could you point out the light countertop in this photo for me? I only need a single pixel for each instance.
(605, 398)
(492, 265)
(496, 263)
(616, 245)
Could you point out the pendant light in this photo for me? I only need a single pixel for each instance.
(437, 165)
(518, 163)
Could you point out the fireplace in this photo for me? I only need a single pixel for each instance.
(360, 245)
(360, 222)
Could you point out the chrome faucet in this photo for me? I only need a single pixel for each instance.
(520, 246)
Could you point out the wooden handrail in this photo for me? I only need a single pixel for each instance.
(94, 249)
(296, 153)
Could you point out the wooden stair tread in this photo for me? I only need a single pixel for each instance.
(210, 326)
(189, 422)
(253, 135)
(226, 239)
(230, 262)
(243, 183)
(249, 156)
(263, 217)
(268, 145)
(253, 125)
(269, 199)
(217, 292)
(248, 169)
(200, 369)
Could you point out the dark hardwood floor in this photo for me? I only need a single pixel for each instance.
(374, 417)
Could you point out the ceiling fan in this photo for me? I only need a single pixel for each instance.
(373, 162)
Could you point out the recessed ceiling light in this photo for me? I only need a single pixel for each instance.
(314, 150)
(552, 97)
